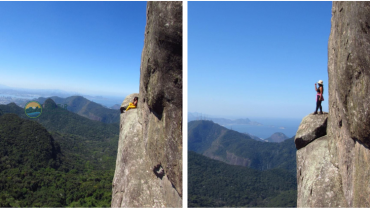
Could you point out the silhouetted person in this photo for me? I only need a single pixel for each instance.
(319, 96)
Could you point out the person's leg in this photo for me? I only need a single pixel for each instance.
(317, 104)
(320, 106)
(130, 106)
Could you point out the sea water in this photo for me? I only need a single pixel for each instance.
(288, 127)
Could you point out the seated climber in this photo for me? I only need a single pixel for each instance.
(133, 104)
(319, 96)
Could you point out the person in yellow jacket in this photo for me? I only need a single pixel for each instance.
(133, 104)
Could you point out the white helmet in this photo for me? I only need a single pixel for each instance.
(320, 82)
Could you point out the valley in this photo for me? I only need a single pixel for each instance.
(218, 155)
(58, 159)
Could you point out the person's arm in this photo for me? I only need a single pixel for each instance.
(320, 93)
(135, 102)
(315, 87)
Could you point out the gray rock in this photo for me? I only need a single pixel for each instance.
(149, 160)
(127, 100)
(161, 88)
(348, 129)
(349, 68)
(349, 98)
(134, 183)
(319, 181)
(311, 128)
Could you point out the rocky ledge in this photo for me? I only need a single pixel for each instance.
(311, 128)
(136, 183)
(127, 101)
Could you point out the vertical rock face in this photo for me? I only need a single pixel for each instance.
(149, 159)
(349, 98)
(348, 128)
(161, 88)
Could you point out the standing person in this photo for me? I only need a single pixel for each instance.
(319, 96)
(133, 104)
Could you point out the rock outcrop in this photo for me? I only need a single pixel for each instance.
(161, 88)
(347, 162)
(149, 160)
(311, 128)
(319, 180)
(127, 100)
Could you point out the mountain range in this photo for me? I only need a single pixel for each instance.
(115, 107)
(219, 143)
(228, 168)
(85, 108)
(222, 121)
(277, 137)
(58, 159)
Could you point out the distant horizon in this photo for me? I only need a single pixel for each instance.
(234, 117)
(105, 100)
(67, 93)
(91, 48)
(269, 125)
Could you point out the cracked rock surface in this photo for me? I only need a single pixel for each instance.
(151, 134)
(314, 171)
(311, 127)
(337, 167)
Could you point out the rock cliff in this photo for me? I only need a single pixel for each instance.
(341, 175)
(149, 160)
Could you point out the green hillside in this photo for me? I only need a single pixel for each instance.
(55, 118)
(215, 141)
(201, 134)
(26, 143)
(80, 175)
(86, 108)
(212, 183)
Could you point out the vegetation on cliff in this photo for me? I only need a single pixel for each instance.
(58, 159)
(213, 183)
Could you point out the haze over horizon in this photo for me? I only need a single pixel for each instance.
(19, 94)
(257, 59)
(91, 48)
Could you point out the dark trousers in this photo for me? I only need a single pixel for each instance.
(318, 104)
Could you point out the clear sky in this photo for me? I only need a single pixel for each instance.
(257, 59)
(86, 47)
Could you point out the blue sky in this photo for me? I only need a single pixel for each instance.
(257, 59)
(91, 48)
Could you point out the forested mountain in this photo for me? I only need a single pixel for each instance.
(26, 143)
(58, 159)
(55, 118)
(232, 147)
(212, 183)
(277, 137)
(86, 108)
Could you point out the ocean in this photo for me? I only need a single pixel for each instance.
(288, 127)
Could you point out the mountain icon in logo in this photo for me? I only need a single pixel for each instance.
(33, 109)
